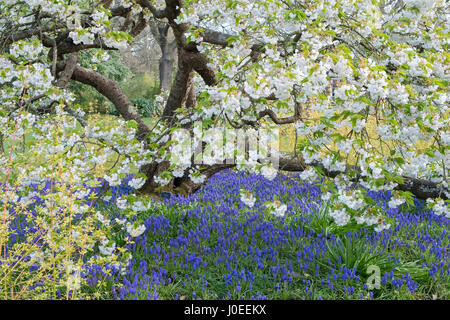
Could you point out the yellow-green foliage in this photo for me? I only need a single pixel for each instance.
(65, 230)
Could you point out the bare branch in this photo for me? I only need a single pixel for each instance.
(111, 90)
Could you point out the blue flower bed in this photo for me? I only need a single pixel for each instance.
(210, 245)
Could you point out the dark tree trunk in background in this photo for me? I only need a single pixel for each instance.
(166, 63)
(160, 31)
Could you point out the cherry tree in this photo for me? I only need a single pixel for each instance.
(330, 68)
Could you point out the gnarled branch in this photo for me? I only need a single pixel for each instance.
(111, 90)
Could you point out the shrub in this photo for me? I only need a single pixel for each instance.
(147, 107)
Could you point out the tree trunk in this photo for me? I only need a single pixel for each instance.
(166, 63)
(160, 31)
(183, 185)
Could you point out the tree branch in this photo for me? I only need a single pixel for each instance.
(111, 90)
(66, 74)
(156, 13)
(275, 118)
(421, 188)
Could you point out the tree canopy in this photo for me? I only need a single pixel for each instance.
(330, 68)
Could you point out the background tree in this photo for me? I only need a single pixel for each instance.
(164, 38)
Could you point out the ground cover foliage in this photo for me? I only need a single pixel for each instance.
(211, 245)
